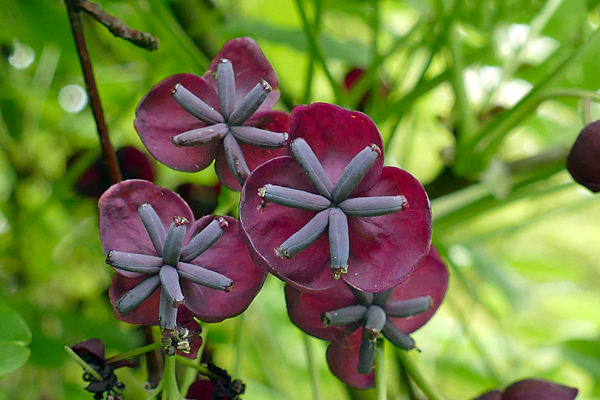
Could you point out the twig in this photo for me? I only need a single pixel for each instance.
(117, 27)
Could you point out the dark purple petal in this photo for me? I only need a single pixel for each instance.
(91, 348)
(250, 66)
(228, 256)
(336, 136)
(583, 162)
(492, 395)
(121, 227)
(201, 199)
(275, 121)
(535, 389)
(343, 362)
(159, 118)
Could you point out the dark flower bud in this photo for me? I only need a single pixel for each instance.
(583, 162)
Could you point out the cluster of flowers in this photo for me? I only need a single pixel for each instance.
(350, 237)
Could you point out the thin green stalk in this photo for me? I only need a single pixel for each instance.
(189, 376)
(312, 367)
(237, 343)
(380, 379)
(133, 353)
(198, 367)
(171, 389)
(416, 376)
(310, 71)
(85, 365)
(586, 112)
(314, 47)
(554, 93)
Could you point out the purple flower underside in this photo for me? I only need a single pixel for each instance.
(306, 308)
(122, 230)
(583, 163)
(532, 389)
(400, 239)
(160, 117)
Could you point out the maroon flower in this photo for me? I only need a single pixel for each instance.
(378, 219)
(202, 199)
(353, 78)
(165, 260)
(532, 389)
(583, 162)
(352, 320)
(92, 352)
(187, 121)
(221, 388)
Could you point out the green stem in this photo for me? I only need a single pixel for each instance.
(171, 389)
(237, 343)
(380, 380)
(189, 376)
(85, 365)
(586, 112)
(312, 43)
(312, 367)
(311, 56)
(198, 367)
(554, 93)
(133, 353)
(416, 376)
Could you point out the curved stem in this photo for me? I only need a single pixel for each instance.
(83, 364)
(416, 376)
(171, 389)
(312, 367)
(133, 353)
(380, 380)
(198, 367)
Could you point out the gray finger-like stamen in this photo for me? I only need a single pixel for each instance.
(167, 314)
(169, 281)
(306, 236)
(140, 263)
(198, 108)
(174, 241)
(374, 321)
(197, 137)
(408, 308)
(366, 355)
(397, 337)
(235, 159)
(153, 225)
(354, 172)
(343, 316)
(204, 277)
(202, 241)
(364, 298)
(293, 198)
(373, 206)
(250, 103)
(312, 167)
(226, 87)
(380, 299)
(137, 295)
(339, 242)
(259, 137)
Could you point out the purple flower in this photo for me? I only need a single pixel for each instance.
(352, 320)
(532, 389)
(221, 388)
(374, 223)
(583, 162)
(165, 261)
(187, 121)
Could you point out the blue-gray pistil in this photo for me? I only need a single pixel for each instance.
(172, 264)
(332, 204)
(373, 313)
(228, 123)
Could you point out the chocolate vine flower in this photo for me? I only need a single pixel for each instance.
(374, 223)
(583, 162)
(93, 353)
(352, 320)
(164, 260)
(532, 389)
(186, 121)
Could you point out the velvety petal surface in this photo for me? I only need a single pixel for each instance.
(343, 363)
(250, 66)
(159, 117)
(144, 314)
(228, 256)
(120, 225)
(275, 121)
(337, 135)
(534, 389)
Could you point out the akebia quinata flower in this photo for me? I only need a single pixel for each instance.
(164, 260)
(532, 389)
(330, 209)
(186, 121)
(583, 162)
(352, 320)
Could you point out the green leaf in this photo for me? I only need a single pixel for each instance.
(585, 354)
(14, 338)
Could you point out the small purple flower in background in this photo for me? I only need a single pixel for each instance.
(92, 352)
(186, 121)
(583, 162)
(95, 180)
(352, 320)
(372, 227)
(202, 199)
(532, 389)
(223, 388)
(353, 77)
(165, 261)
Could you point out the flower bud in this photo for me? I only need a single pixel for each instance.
(583, 162)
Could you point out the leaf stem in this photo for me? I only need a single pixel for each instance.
(133, 353)
(416, 376)
(312, 367)
(203, 370)
(380, 378)
(85, 365)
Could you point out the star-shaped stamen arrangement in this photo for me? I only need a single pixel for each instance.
(171, 265)
(332, 203)
(227, 125)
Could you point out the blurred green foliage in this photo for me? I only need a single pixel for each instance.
(480, 108)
